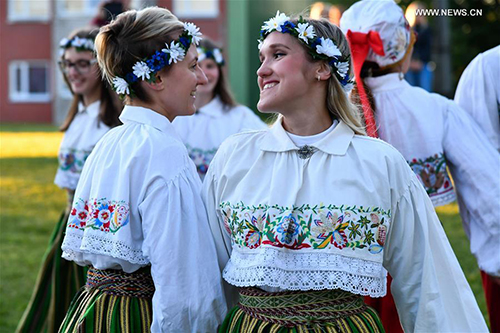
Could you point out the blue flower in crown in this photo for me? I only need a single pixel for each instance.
(319, 47)
(147, 68)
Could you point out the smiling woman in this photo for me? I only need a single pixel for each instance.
(139, 191)
(310, 215)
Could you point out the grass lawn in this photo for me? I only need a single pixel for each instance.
(31, 204)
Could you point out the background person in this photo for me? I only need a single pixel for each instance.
(94, 110)
(478, 93)
(432, 132)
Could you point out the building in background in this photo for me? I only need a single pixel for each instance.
(32, 89)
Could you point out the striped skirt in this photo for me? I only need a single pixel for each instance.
(112, 301)
(300, 311)
(57, 283)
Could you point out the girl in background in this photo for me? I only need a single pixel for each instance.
(218, 115)
(93, 111)
(432, 133)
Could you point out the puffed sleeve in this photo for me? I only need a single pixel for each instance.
(218, 227)
(429, 287)
(475, 167)
(178, 242)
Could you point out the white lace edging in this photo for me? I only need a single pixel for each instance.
(75, 244)
(443, 199)
(306, 271)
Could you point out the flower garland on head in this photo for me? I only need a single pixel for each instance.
(215, 54)
(146, 69)
(319, 47)
(80, 44)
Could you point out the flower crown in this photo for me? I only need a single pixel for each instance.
(215, 54)
(80, 44)
(147, 68)
(319, 47)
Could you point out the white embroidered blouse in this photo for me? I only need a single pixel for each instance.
(335, 220)
(433, 132)
(77, 143)
(138, 203)
(478, 93)
(204, 131)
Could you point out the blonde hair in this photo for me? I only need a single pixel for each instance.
(337, 101)
(132, 36)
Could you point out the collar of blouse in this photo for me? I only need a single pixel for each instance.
(336, 142)
(141, 115)
(92, 109)
(386, 82)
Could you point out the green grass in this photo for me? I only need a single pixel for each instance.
(28, 127)
(30, 205)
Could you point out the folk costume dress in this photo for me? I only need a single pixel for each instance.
(319, 226)
(478, 93)
(204, 131)
(430, 131)
(59, 280)
(139, 223)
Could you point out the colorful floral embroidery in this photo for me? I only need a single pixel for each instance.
(317, 227)
(432, 174)
(201, 159)
(72, 159)
(99, 214)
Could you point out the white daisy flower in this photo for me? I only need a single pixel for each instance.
(306, 32)
(141, 70)
(260, 43)
(328, 48)
(63, 42)
(121, 86)
(342, 68)
(176, 52)
(193, 31)
(89, 44)
(78, 42)
(201, 55)
(275, 22)
(218, 56)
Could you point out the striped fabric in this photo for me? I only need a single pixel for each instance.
(57, 283)
(332, 311)
(112, 301)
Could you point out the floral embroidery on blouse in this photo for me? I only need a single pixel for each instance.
(72, 160)
(432, 174)
(99, 214)
(316, 227)
(201, 158)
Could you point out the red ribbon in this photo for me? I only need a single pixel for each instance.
(360, 44)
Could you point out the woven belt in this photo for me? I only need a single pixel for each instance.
(294, 308)
(115, 282)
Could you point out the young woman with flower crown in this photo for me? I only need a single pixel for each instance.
(310, 214)
(432, 133)
(137, 220)
(217, 116)
(94, 110)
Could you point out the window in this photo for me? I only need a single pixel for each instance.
(29, 81)
(196, 8)
(69, 8)
(28, 10)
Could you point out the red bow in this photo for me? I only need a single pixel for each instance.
(360, 44)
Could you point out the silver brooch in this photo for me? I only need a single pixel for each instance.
(306, 151)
